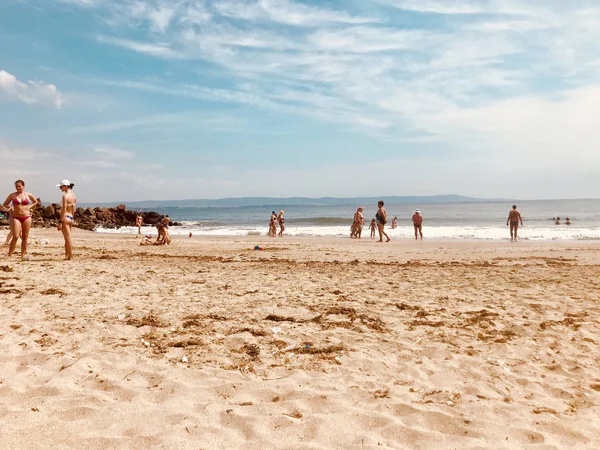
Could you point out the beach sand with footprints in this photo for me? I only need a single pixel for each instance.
(309, 343)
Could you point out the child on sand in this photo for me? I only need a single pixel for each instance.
(373, 227)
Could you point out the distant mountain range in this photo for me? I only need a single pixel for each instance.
(300, 201)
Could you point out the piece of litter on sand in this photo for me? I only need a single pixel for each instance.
(291, 347)
(121, 316)
(146, 343)
(184, 359)
(338, 360)
(276, 330)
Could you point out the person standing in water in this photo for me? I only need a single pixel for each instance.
(281, 222)
(139, 221)
(514, 217)
(417, 220)
(67, 216)
(373, 227)
(394, 222)
(358, 223)
(381, 218)
(19, 205)
(273, 224)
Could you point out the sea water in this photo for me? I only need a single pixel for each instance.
(447, 221)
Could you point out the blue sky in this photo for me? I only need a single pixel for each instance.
(173, 99)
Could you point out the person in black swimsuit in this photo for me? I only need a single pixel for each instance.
(381, 219)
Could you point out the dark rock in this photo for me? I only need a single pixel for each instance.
(90, 219)
(49, 212)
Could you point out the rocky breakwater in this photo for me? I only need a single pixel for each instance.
(92, 218)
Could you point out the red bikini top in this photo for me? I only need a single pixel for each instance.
(16, 202)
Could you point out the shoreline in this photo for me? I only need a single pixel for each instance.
(340, 237)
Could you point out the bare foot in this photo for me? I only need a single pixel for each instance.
(388, 240)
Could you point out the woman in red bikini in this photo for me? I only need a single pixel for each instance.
(19, 204)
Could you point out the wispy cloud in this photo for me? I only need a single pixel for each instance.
(32, 92)
(157, 49)
(10, 153)
(286, 12)
(114, 154)
(447, 77)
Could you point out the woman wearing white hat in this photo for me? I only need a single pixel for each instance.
(67, 216)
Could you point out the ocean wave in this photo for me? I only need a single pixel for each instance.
(439, 233)
(320, 221)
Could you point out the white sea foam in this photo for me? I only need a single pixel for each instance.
(439, 232)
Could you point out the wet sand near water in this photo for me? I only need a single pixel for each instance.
(310, 343)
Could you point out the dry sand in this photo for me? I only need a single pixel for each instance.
(311, 343)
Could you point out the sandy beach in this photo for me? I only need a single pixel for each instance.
(307, 344)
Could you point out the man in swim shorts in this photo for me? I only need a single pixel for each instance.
(417, 219)
(514, 217)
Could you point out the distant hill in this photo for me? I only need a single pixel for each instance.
(300, 201)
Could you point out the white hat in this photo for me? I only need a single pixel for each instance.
(64, 183)
(417, 211)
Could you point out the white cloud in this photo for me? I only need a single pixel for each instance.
(114, 154)
(470, 7)
(157, 49)
(10, 153)
(285, 12)
(483, 76)
(161, 17)
(31, 92)
(83, 3)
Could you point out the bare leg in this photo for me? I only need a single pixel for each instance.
(382, 233)
(25, 227)
(9, 237)
(416, 233)
(421, 232)
(66, 231)
(15, 229)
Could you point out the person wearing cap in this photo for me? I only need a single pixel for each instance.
(281, 222)
(417, 220)
(358, 223)
(67, 216)
(514, 217)
(273, 224)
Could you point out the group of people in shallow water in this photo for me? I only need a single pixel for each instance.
(275, 221)
(380, 220)
(17, 208)
(557, 221)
